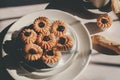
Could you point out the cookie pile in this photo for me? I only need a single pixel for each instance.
(45, 40)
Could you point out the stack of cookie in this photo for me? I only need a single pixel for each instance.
(45, 40)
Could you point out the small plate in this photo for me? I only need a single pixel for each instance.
(76, 63)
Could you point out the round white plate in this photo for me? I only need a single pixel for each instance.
(79, 61)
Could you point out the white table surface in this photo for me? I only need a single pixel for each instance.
(101, 66)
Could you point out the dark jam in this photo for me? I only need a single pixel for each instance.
(104, 21)
(50, 53)
(27, 34)
(46, 38)
(61, 28)
(62, 41)
(32, 51)
(41, 24)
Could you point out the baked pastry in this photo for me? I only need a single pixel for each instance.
(64, 42)
(104, 42)
(46, 41)
(115, 5)
(59, 27)
(28, 36)
(33, 52)
(104, 21)
(42, 25)
(51, 56)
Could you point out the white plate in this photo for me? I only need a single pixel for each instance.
(83, 49)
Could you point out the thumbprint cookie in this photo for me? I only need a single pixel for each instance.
(33, 52)
(41, 25)
(51, 56)
(46, 41)
(104, 21)
(64, 42)
(59, 27)
(28, 36)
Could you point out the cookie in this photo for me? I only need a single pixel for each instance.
(64, 42)
(33, 52)
(104, 21)
(42, 25)
(59, 27)
(28, 36)
(46, 41)
(51, 56)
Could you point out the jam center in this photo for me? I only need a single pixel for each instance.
(62, 41)
(46, 38)
(41, 24)
(32, 51)
(104, 21)
(27, 34)
(50, 53)
(60, 28)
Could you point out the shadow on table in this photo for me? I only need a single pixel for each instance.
(93, 28)
(105, 64)
(118, 15)
(104, 50)
(3, 73)
(76, 7)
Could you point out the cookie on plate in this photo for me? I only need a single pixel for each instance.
(46, 41)
(64, 42)
(28, 36)
(42, 25)
(33, 52)
(59, 27)
(51, 56)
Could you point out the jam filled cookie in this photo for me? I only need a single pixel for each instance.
(104, 21)
(41, 25)
(59, 28)
(64, 42)
(46, 41)
(33, 52)
(51, 56)
(28, 36)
